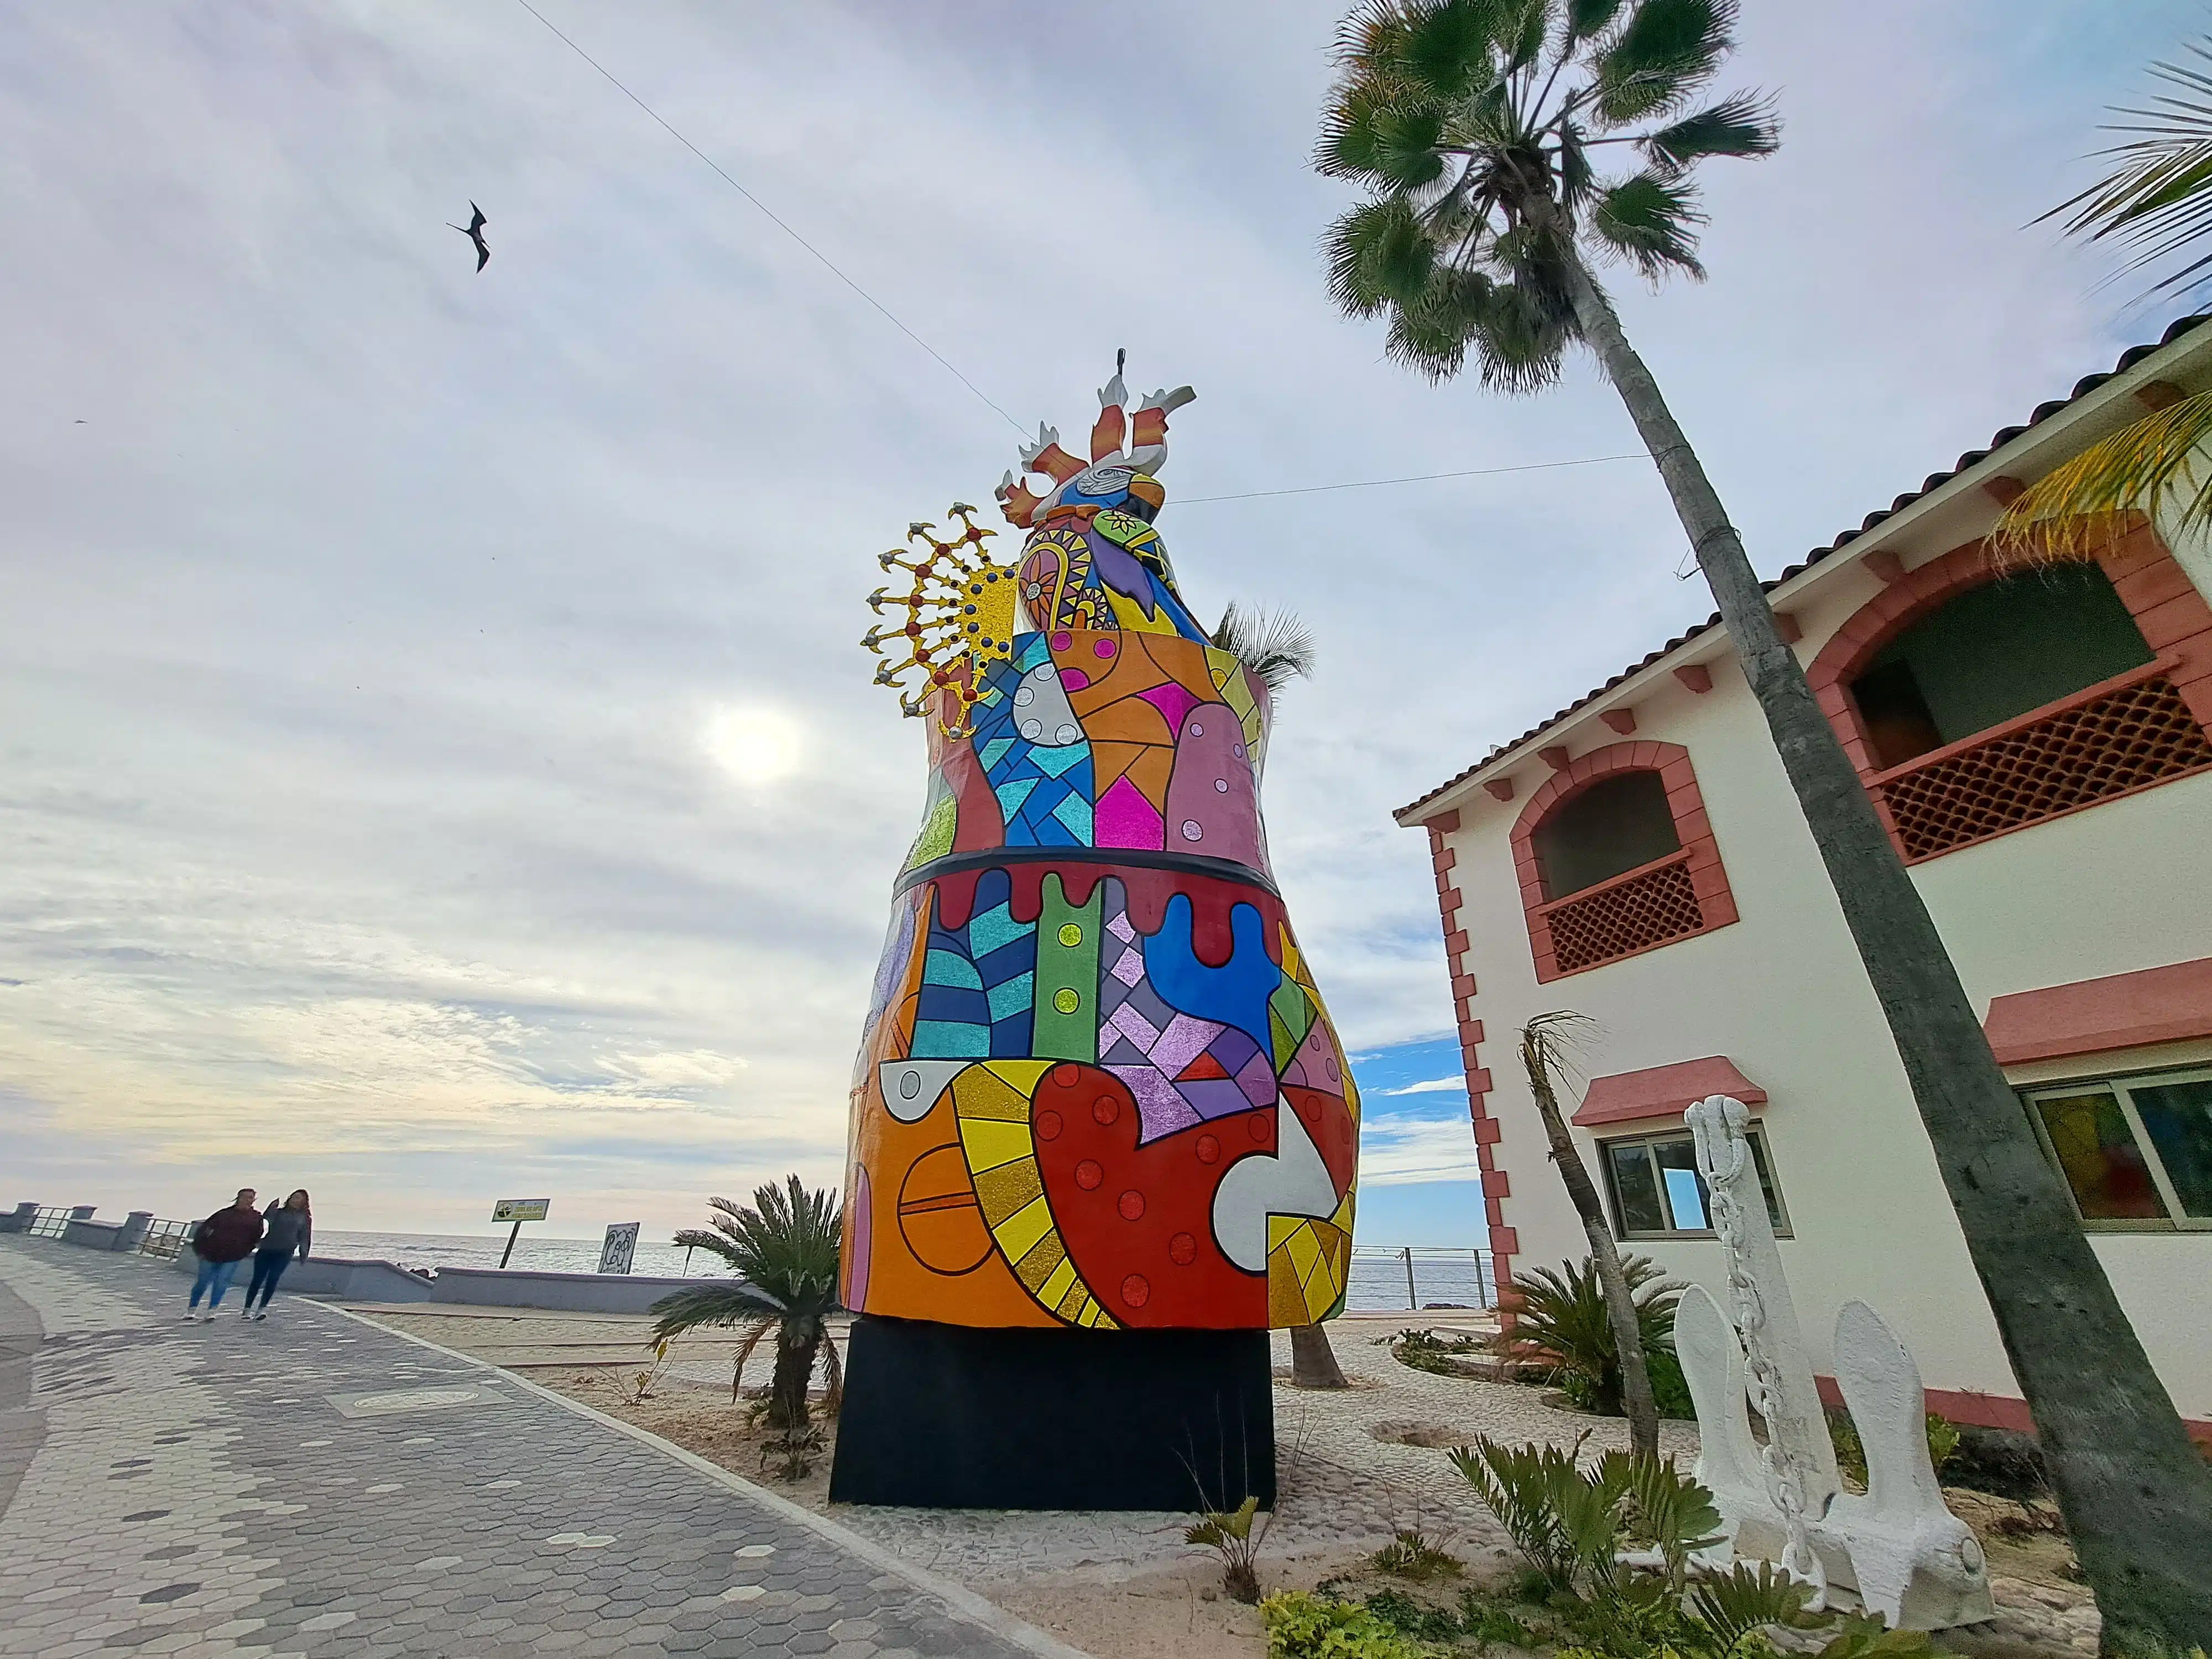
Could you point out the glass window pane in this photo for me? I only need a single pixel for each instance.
(2100, 1159)
(1766, 1183)
(1634, 1192)
(1685, 1187)
(2179, 1118)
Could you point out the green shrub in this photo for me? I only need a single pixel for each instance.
(1411, 1554)
(1563, 1319)
(1300, 1625)
(1409, 1618)
(1485, 1620)
(1850, 1455)
(1670, 1390)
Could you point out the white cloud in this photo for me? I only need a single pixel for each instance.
(437, 743)
(1395, 1152)
(1434, 1086)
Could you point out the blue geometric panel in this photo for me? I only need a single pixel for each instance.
(978, 981)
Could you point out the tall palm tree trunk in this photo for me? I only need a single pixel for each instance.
(2137, 1497)
(1635, 1398)
(1313, 1362)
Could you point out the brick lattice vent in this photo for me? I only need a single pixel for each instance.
(1633, 915)
(2132, 737)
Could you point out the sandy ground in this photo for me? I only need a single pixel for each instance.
(1356, 1465)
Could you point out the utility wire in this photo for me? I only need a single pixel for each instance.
(1423, 477)
(947, 363)
(772, 219)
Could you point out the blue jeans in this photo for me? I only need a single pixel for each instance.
(268, 1267)
(213, 1279)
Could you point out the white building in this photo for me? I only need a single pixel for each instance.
(2039, 746)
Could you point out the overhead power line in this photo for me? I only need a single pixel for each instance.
(945, 363)
(1421, 477)
(779, 223)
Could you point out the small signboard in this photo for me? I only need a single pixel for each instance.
(620, 1246)
(521, 1209)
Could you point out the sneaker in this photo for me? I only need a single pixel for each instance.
(192, 1315)
(263, 1314)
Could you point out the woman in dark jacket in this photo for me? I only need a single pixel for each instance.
(291, 1230)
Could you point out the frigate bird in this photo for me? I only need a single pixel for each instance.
(474, 231)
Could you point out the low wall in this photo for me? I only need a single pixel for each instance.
(346, 1279)
(92, 1235)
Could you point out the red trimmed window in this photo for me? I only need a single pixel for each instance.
(1615, 858)
(1973, 705)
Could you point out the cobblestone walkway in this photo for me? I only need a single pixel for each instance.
(316, 1486)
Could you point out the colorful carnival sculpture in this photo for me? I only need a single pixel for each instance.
(1098, 1100)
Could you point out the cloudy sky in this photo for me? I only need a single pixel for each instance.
(435, 759)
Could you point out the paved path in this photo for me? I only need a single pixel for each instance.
(317, 1486)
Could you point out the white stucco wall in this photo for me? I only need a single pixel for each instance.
(2123, 885)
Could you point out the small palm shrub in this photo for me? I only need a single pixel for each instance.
(1412, 1553)
(1612, 1549)
(1562, 1321)
(1229, 1534)
(783, 1249)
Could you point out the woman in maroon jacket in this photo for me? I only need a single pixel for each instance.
(222, 1242)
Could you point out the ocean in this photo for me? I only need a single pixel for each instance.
(1441, 1277)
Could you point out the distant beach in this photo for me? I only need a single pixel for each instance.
(1378, 1281)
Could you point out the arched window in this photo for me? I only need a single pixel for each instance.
(1992, 654)
(1974, 705)
(1615, 857)
(1613, 827)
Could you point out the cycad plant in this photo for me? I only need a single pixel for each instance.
(2157, 198)
(1505, 147)
(783, 1249)
(1563, 1315)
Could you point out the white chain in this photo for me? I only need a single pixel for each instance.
(1724, 1154)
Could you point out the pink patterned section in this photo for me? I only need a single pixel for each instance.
(856, 1270)
(1213, 803)
(1125, 818)
(1317, 1064)
(1171, 700)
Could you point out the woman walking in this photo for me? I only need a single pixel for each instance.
(291, 1230)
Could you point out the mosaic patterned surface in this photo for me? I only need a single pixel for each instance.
(1097, 1085)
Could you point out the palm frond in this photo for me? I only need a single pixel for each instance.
(1276, 648)
(1660, 54)
(754, 1335)
(1376, 254)
(2074, 510)
(1740, 1603)
(700, 1238)
(833, 1376)
(711, 1304)
(2158, 194)
(1588, 18)
(1742, 125)
(1648, 221)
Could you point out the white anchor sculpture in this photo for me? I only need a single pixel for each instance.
(1897, 1548)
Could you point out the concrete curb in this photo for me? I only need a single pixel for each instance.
(958, 1597)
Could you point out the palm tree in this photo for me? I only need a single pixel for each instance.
(1544, 1043)
(1477, 129)
(1277, 648)
(2157, 196)
(783, 1250)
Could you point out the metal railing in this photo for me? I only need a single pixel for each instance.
(52, 1221)
(1453, 1277)
(166, 1239)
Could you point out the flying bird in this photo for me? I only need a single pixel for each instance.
(474, 231)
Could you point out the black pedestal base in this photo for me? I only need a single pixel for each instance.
(946, 1416)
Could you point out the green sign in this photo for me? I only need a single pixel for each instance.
(521, 1209)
